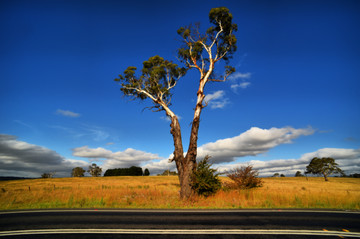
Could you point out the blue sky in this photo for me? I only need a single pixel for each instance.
(295, 94)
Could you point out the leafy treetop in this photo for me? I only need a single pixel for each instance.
(157, 78)
(200, 47)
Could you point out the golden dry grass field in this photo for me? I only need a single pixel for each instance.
(162, 192)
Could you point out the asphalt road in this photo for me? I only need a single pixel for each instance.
(106, 223)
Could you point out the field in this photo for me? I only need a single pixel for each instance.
(162, 192)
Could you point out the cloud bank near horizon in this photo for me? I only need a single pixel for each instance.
(348, 160)
(19, 158)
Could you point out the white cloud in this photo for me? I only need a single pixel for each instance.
(120, 159)
(216, 100)
(96, 133)
(252, 142)
(239, 75)
(19, 158)
(242, 85)
(67, 113)
(85, 131)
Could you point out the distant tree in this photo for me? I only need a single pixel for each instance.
(276, 175)
(205, 180)
(244, 177)
(168, 173)
(324, 167)
(298, 174)
(282, 175)
(94, 170)
(45, 175)
(77, 172)
(146, 172)
(201, 52)
(48, 175)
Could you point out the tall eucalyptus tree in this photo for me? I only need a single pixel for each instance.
(158, 78)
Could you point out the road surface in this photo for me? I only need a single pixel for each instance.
(106, 223)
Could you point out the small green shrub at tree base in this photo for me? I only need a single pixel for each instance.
(205, 180)
(244, 178)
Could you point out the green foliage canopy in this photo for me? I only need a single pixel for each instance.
(94, 170)
(219, 42)
(77, 172)
(158, 77)
(146, 172)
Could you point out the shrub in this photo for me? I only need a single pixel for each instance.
(244, 178)
(205, 180)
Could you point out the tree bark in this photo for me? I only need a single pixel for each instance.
(325, 177)
(184, 165)
(188, 164)
(181, 164)
(190, 158)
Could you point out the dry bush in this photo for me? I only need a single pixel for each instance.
(243, 178)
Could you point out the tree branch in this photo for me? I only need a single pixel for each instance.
(217, 35)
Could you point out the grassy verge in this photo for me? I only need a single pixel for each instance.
(162, 192)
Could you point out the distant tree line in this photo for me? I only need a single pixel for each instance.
(132, 171)
(95, 171)
(355, 175)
